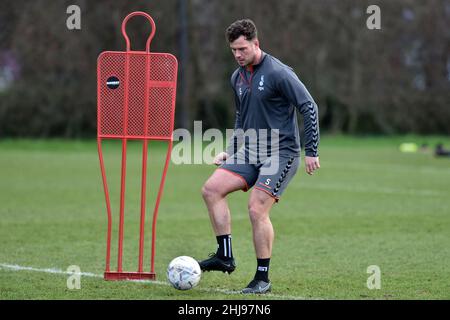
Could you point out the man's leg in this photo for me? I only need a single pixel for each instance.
(259, 207)
(214, 192)
(217, 187)
(274, 177)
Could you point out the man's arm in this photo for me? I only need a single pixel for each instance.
(236, 139)
(233, 144)
(310, 112)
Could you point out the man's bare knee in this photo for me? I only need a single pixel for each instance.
(257, 212)
(259, 207)
(210, 191)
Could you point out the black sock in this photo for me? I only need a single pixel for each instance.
(262, 270)
(224, 247)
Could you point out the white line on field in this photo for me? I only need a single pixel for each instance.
(15, 267)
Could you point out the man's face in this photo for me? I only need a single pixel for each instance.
(244, 51)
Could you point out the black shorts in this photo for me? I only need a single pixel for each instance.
(271, 175)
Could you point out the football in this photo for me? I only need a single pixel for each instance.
(184, 273)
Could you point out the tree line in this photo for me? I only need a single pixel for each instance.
(391, 80)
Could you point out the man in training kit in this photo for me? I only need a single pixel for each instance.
(267, 94)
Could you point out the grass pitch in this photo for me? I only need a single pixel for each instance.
(368, 205)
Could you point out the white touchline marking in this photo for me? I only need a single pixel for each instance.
(15, 267)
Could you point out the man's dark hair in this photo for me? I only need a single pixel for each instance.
(245, 27)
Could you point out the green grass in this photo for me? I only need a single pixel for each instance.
(368, 205)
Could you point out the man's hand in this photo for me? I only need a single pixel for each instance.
(311, 164)
(220, 158)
